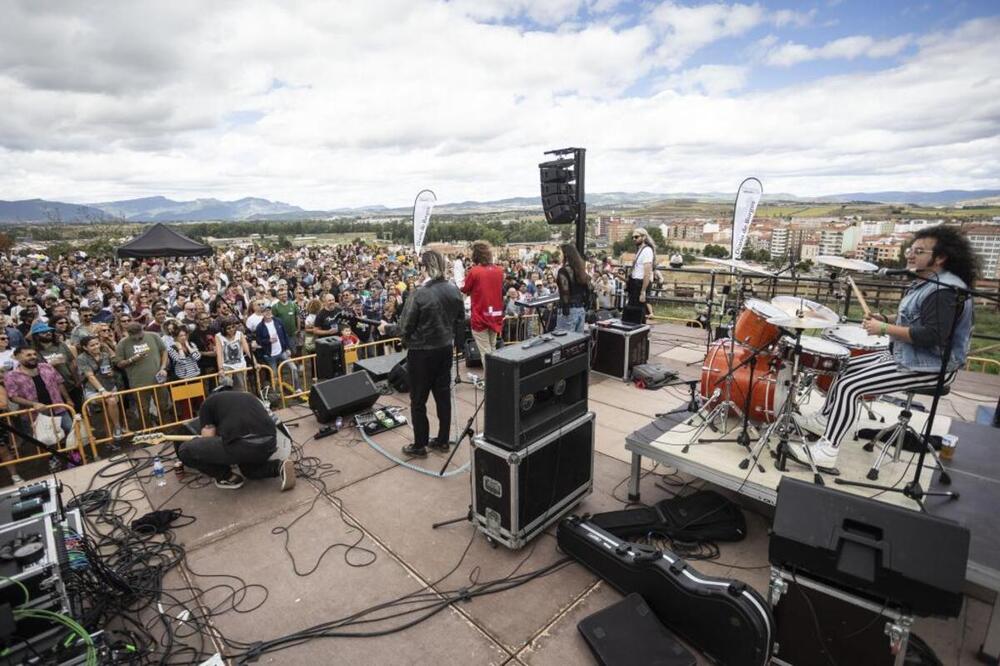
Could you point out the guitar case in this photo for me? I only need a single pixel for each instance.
(725, 619)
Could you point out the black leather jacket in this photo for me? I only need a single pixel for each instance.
(432, 317)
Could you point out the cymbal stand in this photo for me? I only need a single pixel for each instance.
(784, 426)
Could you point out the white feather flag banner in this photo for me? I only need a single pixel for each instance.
(746, 205)
(423, 205)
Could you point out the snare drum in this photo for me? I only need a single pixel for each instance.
(858, 341)
(769, 378)
(819, 356)
(752, 328)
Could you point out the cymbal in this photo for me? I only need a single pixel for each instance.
(793, 306)
(802, 323)
(739, 265)
(845, 263)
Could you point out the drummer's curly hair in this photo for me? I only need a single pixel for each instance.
(950, 243)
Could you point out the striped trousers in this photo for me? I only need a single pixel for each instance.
(869, 374)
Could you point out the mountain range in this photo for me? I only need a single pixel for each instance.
(162, 209)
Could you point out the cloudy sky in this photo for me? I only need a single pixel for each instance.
(325, 104)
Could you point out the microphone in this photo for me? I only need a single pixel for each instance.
(895, 271)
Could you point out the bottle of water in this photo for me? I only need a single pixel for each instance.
(159, 473)
(339, 423)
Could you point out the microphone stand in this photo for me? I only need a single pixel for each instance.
(913, 490)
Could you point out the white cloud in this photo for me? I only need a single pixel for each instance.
(845, 48)
(378, 100)
(711, 80)
(784, 17)
(689, 28)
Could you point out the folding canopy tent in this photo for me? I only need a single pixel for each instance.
(162, 241)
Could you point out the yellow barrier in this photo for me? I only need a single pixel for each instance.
(136, 406)
(306, 366)
(990, 366)
(12, 440)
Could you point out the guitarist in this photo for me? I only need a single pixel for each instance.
(236, 430)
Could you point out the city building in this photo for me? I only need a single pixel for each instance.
(808, 251)
(985, 242)
(619, 230)
(911, 226)
(870, 228)
(838, 241)
(880, 250)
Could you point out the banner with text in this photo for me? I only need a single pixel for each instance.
(422, 207)
(746, 205)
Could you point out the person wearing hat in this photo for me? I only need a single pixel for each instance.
(273, 345)
(56, 353)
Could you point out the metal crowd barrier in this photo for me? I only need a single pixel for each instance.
(989, 366)
(23, 419)
(306, 366)
(161, 406)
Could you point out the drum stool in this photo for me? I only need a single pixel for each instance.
(895, 436)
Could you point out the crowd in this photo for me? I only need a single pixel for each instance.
(78, 327)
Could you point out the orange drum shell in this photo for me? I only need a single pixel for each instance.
(717, 365)
(754, 330)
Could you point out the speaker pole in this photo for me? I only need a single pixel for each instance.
(580, 156)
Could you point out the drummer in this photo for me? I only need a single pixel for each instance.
(916, 342)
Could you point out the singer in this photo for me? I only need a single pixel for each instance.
(917, 340)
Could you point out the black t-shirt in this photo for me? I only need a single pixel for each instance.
(236, 414)
(43, 392)
(328, 320)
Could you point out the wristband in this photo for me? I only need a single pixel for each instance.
(884, 328)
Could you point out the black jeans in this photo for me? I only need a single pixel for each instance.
(635, 311)
(211, 456)
(430, 372)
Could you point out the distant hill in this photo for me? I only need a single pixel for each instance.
(40, 210)
(943, 198)
(161, 209)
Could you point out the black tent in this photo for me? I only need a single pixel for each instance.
(162, 241)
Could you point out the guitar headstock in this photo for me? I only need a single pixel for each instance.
(149, 438)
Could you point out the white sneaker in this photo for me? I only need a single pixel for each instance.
(287, 474)
(821, 453)
(16, 478)
(814, 423)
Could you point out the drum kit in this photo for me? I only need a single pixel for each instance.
(767, 367)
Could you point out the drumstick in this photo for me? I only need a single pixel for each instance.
(860, 296)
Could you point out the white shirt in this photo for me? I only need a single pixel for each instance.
(458, 273)
(645, 256)
(272, 333)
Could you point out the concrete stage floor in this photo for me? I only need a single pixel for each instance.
(387, 510)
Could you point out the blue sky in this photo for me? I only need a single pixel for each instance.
(326, 104)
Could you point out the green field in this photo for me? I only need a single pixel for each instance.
(689, 208)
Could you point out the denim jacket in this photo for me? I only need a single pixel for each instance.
(928, 359)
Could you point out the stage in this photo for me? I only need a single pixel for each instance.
(359, 534)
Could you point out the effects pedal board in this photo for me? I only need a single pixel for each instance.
(380, 419)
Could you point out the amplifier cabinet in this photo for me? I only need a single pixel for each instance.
(517, 494)
(617, 351)
(820, 624)
(532, 392)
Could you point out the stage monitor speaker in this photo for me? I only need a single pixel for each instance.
(329, 358)
(342, 395)
(531, 392)
(886, 553)
(472, 357)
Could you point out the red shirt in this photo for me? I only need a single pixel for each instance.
(485, 285)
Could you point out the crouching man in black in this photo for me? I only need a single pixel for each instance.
(236, 430)
(432, 316)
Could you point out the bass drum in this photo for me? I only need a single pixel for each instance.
(769, 378)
